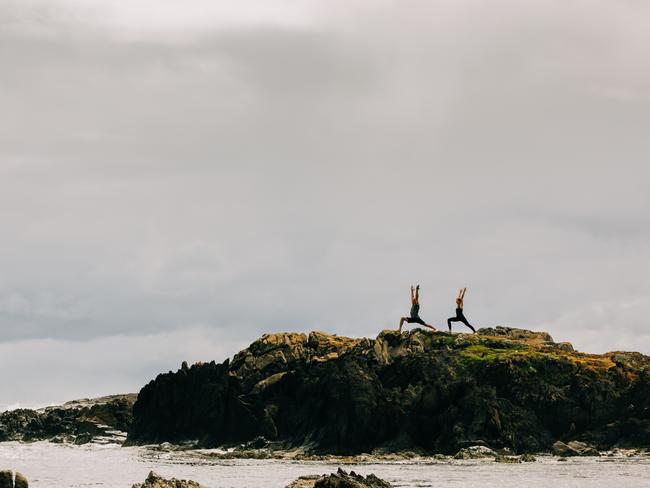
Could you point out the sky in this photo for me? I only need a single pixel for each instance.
(178, 178)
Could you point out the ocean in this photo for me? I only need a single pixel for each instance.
(49, 465)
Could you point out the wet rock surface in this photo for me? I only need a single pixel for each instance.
(154, 480)
(100, 420)
(428, 392)
(340, 479)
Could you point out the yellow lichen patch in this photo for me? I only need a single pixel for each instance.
(488, 354)
(591, 361)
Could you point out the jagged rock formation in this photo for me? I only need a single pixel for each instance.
(100, 420)
(156, 481)
(340, 479)
(417, 390)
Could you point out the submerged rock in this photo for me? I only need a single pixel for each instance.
(418, 390)
(340, 479)
(156, 481)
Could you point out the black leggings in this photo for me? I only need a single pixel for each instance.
(459, 318)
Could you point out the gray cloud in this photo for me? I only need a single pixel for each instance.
(229, 171)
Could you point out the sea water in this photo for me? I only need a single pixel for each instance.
(49, 465)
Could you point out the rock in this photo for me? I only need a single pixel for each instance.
(20, 481)
(305, 481)
(106, 417)
(573, 448)
(6, 479)
(340, 479)
(156, 481)
(419, 390)
(500, 458)
(84, 438)
(528, 458)
(474, 452)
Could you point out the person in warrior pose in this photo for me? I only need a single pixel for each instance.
(415, 311)
(459, 311)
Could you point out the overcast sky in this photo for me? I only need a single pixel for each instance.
(177, 178)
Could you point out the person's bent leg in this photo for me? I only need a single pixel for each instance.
(464, 321)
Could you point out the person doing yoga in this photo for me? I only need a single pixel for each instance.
(459, 311)
(415, 311)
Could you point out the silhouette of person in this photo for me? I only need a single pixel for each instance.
(415, 311)
(460, 317)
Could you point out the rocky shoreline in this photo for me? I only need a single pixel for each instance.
(413, 395)
(100, 420)
(420, 391)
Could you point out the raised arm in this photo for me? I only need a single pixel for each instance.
(462, 295)
(412, 295)
(417, 294)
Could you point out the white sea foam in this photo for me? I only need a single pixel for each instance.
(50, 465)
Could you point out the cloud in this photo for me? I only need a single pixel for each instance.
(243, 169)
(51, 371)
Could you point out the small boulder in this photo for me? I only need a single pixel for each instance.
(475, 452)
(500, 458)
(21, 481)
(6, 479)
(573, 448)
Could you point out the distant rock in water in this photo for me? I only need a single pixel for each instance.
(156, 481)
(103, 419)
(340, 479)
(7, 480)
(421, 390)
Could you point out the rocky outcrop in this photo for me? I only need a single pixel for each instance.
(154, 480)
(419, 390)
(340, 479)
(7, 480)
(100, 420)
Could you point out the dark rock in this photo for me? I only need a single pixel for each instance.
(156, 481)
(84, 438)
(340, 479)
(419, 390)
(20, 481)
(528, 458)
(80, 419)
(6, 479)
